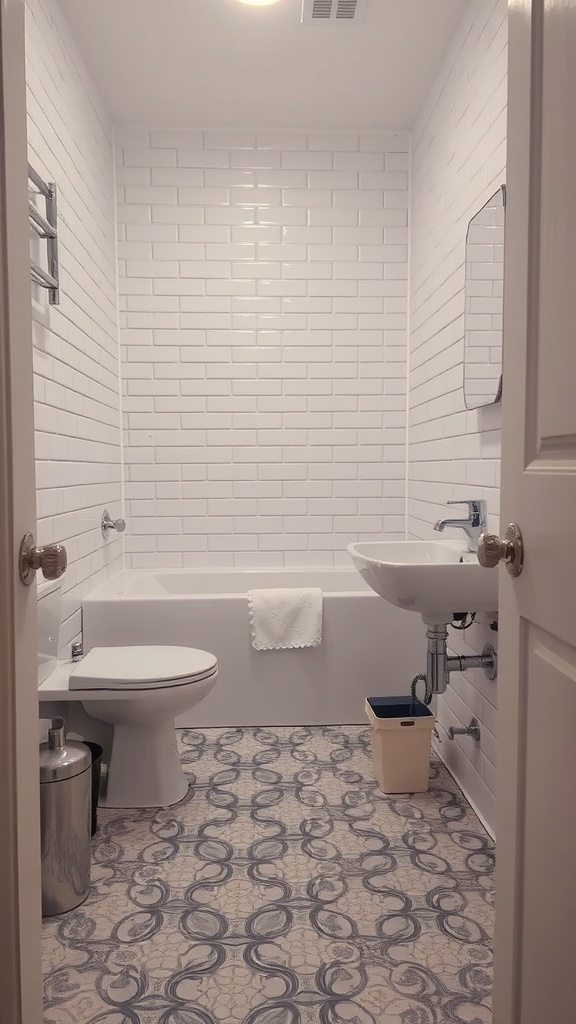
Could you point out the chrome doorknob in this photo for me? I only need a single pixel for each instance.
(51, 559)
(492, 550)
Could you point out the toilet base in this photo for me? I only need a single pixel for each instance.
(144, 768)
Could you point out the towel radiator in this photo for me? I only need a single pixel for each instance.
(46, 227)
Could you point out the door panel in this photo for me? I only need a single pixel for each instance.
(556, 405)
(548, 891)
(536, 892)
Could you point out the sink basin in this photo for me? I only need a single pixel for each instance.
(427, 577)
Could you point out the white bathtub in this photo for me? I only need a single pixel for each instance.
(369, 647)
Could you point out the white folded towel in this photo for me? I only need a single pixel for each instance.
(286, 618)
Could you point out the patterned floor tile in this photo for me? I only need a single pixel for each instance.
(284, 889)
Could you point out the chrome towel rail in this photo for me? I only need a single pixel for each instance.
(47, 228)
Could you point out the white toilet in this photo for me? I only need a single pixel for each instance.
(139, 691)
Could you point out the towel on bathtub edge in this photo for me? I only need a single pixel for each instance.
(285, 618)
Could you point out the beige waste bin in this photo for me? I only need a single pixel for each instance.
(401, 738)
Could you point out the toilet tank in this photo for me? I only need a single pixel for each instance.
(49, 601)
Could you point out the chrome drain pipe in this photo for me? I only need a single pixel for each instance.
(436, 658)
(439, 664)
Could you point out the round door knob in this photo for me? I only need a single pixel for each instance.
(492, 550)
(51, 559)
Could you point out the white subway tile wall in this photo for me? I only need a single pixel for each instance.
(76, 369)
(263, 291)
(263, 314)
(458, 161)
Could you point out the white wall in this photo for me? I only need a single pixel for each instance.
(263, 284)
(78, 465)
(458, 161)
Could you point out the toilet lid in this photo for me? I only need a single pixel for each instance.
(112, 668)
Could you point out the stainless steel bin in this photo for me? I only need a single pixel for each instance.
(65, 807)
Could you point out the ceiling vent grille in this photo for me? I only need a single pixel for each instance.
(332, 12)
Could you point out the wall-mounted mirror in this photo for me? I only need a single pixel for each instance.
(484, 300)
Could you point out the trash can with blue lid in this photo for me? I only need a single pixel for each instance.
(401, 737)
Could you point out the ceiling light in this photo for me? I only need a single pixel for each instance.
(259, 3)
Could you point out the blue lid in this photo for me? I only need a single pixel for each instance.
(398, 707)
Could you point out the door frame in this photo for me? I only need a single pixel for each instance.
(20, 936)
(523, 155)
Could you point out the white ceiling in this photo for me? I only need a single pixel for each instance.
(222, 64)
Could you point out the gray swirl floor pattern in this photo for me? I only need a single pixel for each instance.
(284, 889)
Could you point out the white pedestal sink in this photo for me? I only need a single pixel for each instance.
(434, 578)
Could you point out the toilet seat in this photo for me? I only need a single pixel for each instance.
(141, 668)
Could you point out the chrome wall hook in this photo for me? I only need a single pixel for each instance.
(108, 524)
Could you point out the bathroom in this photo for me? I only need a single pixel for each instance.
(255, 360)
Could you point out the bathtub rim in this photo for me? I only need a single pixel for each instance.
(109, 590)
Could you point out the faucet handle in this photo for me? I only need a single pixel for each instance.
(476, 509)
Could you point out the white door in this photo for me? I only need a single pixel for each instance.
(20, 920)
(536, 874)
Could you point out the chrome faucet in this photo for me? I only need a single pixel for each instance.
(473, 526)
(472, 730)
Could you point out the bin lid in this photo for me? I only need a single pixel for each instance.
(398, 707)
(61, 758)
